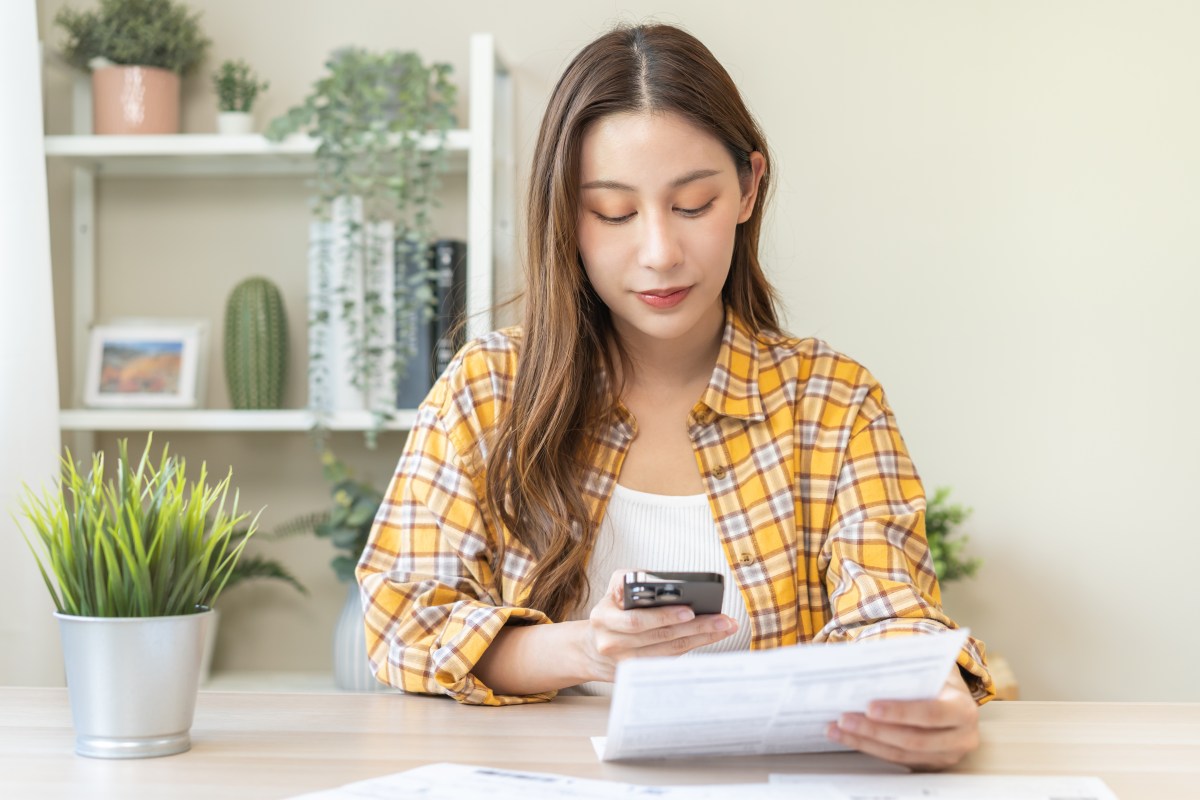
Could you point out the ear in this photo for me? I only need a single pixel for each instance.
(758, 166)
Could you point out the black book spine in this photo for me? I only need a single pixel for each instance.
(416, 328)
(450, 263)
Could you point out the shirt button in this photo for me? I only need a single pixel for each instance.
(745, 558)
(718, 472)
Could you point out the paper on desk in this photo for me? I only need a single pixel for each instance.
(766, 701)
(955, 787)
(457, 781)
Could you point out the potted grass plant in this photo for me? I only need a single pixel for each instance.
(133, 562)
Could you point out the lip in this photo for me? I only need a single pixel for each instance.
(664, 298)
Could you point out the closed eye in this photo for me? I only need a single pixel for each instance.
(613, 220)
(695, 212)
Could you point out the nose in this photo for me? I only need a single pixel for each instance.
(661, 248)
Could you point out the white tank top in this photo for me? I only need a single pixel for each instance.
(666, 533)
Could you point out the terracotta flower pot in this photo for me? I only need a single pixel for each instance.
(135, 100)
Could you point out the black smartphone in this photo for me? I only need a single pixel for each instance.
(703, 591)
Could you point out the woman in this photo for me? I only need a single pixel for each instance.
(649, 410)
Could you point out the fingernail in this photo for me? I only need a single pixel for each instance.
(722, 624)
(877, 711)
(685, 614)
(849, 723)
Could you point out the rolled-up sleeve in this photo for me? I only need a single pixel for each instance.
(431, 599)
(877, 566)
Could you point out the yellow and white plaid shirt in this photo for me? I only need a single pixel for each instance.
(819, 508)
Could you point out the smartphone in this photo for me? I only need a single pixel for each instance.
(703, 591)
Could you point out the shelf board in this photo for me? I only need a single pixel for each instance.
(201, 154)
(87, 419)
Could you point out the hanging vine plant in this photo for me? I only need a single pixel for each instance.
(381, 122)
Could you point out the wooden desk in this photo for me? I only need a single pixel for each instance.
(255, 745)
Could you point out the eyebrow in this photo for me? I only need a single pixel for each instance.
(694, 175)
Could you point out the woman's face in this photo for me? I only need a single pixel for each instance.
(660, 201)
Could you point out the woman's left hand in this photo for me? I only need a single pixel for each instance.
(923, 734)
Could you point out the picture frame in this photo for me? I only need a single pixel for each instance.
(146, 363)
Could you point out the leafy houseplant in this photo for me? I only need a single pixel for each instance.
(133, 564)
(237, 86)
(941, 519)
(137, 51)
(347, 524)
(145, 33)
(381, 122)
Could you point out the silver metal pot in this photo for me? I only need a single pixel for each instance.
(132, 682)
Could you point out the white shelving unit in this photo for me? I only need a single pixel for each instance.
(484, 151)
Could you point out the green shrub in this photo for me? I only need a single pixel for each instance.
(941, 518)
(237, 86)
(147, 33)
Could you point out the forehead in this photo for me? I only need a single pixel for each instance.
(625, 145)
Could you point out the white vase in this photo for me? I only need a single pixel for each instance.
(132, 682)
(351, 669)
(235, 123)
(210, 646)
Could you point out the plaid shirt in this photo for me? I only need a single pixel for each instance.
(819, 508)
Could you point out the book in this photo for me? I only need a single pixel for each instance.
(341, 273)
(450, 261)
(429, 329)
(415, 325)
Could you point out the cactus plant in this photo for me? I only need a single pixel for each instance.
(255, 344)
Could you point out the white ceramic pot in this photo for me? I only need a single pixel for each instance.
(351, 668)
(235, 123)
(132, 682)
(210, 646)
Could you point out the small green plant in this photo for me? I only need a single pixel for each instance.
(941, 519)
(237, 86)
(142, 544)
(147, 33)
(254, 566)
(381, 122)
(347, 524)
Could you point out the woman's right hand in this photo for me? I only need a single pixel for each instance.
(615, 633)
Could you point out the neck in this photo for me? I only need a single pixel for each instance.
(675, 363)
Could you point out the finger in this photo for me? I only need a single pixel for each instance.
(889, 752)
(958, 740)
(951, 708)
(679, 639)
(616, 582)
(649, 621)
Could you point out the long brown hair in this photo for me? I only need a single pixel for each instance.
(563, 391)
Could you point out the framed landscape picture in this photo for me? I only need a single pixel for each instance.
(145, 365)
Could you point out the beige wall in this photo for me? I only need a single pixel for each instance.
(992, 205)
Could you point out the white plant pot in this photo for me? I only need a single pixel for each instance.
(351, 668)
(210, 646)
(235, 123)
(132, 682)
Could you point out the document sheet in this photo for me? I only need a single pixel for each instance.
(766, 701)
(458, 781)
(951, 787)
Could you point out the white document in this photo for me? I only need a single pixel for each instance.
(458, 781)
(766, 701)
(954, 787)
